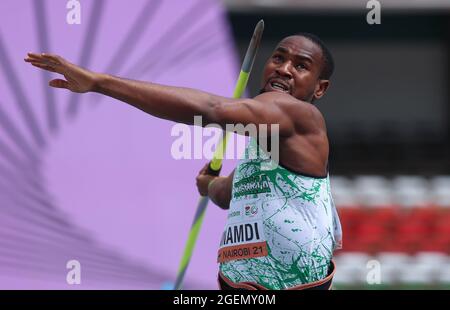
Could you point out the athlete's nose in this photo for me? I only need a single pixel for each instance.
(284, 70)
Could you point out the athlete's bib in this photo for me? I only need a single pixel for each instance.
(243, 236)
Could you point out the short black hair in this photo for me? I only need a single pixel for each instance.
(328, 61)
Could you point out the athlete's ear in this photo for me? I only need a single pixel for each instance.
(321, 88)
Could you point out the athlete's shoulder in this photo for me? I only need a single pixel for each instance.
(303, 113)
(287, 100)
(274, 96)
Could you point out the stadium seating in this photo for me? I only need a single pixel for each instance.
(402, 222)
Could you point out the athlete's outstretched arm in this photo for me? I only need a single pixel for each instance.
(172, 103)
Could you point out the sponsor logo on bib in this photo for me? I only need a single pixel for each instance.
(251, 210)
(252, 185)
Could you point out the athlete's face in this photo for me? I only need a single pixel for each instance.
(294, 68)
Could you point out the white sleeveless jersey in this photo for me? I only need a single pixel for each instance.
(282, 227)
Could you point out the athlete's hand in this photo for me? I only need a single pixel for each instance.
(203, 180)
(78, 80)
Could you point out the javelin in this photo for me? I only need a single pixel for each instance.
(216, 163)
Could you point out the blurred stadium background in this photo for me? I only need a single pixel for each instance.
(79, 181)
(388, 118)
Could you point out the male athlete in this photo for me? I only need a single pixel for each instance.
(282, 225)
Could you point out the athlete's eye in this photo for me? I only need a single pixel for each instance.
(301, 66)
(277, 58)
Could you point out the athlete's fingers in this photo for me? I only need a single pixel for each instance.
(53, 58)
(34, 56)
(31, 59)
(43, 66)
(58, 83)
(27, 59)
(45, 57)
(202, 182)
(204, 170)
(40, 60)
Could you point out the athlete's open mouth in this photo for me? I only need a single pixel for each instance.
(279, 86)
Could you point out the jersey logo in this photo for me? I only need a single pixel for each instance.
(251, 210)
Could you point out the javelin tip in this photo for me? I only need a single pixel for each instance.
(259, 27)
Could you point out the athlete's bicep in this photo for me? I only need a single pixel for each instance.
(261, 113)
